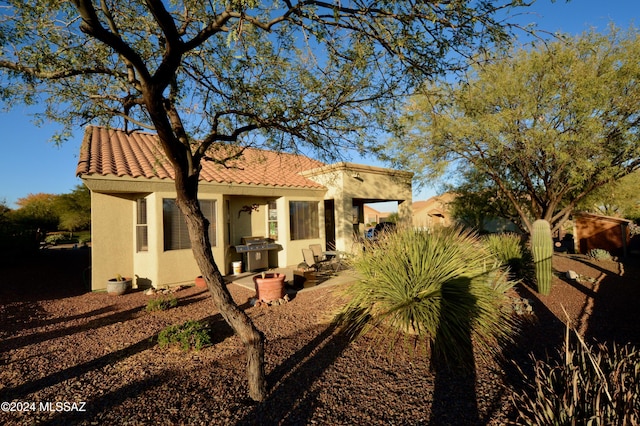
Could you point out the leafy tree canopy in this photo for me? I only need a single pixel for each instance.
(37, 211)
(323, 75)
(215, 71)
(74, 209)
(619, 198)
(69, 211)
(544, 127)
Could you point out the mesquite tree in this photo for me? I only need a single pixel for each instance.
(289, 75)
(538, 128)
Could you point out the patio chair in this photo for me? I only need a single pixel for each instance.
(318, 265)
(317, 252)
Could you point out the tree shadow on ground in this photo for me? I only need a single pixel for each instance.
(102, 321)
(296, 376)
(613, 314)
(540, 336)
(452, 358)
(30, 279)
(219, 331)
(610, 310)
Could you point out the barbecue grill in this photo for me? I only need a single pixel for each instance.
(255, 252)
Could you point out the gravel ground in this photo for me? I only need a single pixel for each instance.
(97, 355)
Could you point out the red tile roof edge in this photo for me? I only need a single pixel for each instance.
(106, 151)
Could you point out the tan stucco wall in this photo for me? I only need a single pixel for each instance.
(178, 266)
(292, 253)
(114, 213)
(347, 182)
(112, 238)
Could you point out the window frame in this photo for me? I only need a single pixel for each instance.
(175, 234)
(272, 220)
(304, 220)
(142, 225)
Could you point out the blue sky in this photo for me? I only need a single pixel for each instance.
(31, 164)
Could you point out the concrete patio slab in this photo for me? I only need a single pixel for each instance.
(342, 277)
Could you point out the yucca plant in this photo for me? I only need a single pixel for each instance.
(443, 286)
(588, 386)
(509, 249)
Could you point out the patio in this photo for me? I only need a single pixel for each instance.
(345, 276)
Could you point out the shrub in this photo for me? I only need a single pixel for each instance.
(442, 285)
(510, 251)
(161, 304)
(588, 386)
(190, 335)
(54, 239)
(599, 254)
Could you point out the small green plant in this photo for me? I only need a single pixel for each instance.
(599, 254)
(509, 249)
(542, 250)
(190, 335)
(587, 387)
(161, 304)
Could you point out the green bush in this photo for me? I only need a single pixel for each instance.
(84, 238)
(442, 285)
(509, 249)
(54, 239)
(587, 387)
(190, 335)
(161, 304)
(599, 254)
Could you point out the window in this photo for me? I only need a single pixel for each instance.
(142, 235)
(304, 220)
(176, 235)
(272, 220)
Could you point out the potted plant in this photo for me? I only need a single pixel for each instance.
(200, 282)
(119, 285)
(269, 286)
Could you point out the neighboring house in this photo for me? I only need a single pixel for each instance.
(437, 211)
(372, 215)
(138, 231)
(593, 231)
(434, 211)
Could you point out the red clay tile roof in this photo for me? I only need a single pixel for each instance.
(107, 152)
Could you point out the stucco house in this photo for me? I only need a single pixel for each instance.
(434, 211)
(372, 215)
(294, 200)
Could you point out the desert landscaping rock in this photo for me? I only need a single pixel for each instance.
(64, 344)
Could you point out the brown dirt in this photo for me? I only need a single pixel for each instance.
(60, 343)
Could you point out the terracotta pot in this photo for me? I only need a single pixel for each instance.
(117, 288)
(269, 288)
(200, 282)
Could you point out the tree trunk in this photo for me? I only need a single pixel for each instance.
(239, 321)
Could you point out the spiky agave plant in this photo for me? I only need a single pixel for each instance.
(443, 286)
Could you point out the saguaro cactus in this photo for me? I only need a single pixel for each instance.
(542, 250)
